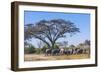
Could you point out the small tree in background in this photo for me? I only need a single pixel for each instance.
(30, 49)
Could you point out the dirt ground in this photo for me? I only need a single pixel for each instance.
(40, 57)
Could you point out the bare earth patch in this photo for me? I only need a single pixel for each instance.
(40, 57)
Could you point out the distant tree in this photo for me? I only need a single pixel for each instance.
(72, 46)
(80, 45)
(62, 44)
(87, 42)
(49, 31)
(30, 49)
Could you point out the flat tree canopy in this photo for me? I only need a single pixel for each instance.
(49, 31)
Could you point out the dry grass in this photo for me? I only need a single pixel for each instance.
(39, 57)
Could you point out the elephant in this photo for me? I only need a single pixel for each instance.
(55, 52)
(68, 51)
(48, 52)
(52, 52)
(79, 51)
(62, 51)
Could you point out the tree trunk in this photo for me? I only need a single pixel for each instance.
(52, 46)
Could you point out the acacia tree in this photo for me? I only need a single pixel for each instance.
(49, 31)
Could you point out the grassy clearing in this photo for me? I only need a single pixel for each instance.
(39, 57)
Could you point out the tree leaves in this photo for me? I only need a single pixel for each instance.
(50, 30)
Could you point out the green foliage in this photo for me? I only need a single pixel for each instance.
(87, 42)
(39, 51)
(56, 46)
(30, 49)
(44, 48)
(72, 46)
(66, 48)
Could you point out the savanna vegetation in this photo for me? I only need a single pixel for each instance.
(48, 32)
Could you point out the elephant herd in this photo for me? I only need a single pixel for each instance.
(62, 51)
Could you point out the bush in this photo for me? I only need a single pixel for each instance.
(38, 51)
(44, 48)
(56, 46)
(30, 50)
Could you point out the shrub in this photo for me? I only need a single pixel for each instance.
(29, 50)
